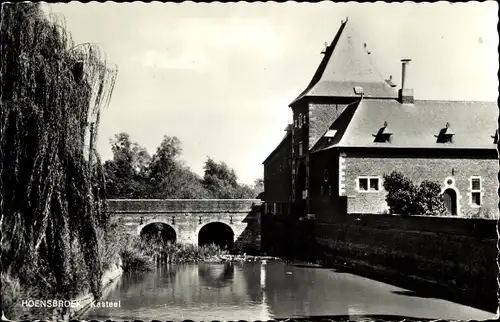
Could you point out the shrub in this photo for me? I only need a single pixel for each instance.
(401, 193)
(428, 200)
(405, 198)
(135, 261)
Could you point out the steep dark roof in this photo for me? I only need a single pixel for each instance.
(288, 134)
(474, 124)
(347, 63)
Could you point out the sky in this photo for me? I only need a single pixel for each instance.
(220, 76)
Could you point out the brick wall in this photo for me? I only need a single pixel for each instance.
(321, 116)
(278, 173)
(325, 204)
(419, 169)
(455, 252)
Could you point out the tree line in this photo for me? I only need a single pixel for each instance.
(133, 173)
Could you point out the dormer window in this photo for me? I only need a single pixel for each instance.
(329, 135)
(445, 135)
(383, 135)
(358, 90)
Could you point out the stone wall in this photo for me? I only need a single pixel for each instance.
(458, 253)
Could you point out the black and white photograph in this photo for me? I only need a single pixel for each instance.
(267, 161)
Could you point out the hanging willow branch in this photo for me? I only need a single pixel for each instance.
(51, 191)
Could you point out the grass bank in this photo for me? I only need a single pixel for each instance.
(141, 255)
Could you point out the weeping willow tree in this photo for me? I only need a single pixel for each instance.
(51, 180)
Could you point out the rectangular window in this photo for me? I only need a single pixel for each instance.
(275, 206)
(368, 184)
(363, 184)
(301, 148)
(475, 187)
(374, 184)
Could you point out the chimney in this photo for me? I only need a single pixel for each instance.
(405, 94)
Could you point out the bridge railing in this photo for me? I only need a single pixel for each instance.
(182, 205)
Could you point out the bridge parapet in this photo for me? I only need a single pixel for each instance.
(182, 205)
(187, 217)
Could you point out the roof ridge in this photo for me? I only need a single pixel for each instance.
(346, 62)
(324, 62)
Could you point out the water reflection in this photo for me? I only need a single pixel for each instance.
(264, 290)
(216, 275)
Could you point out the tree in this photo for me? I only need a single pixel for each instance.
(220, 180)
(182, 184)
(127, 172)
(165, 161)
(244, 191)
(258, 186)
(405, 198)
(51, 188)
(132, 173)
(169, 177)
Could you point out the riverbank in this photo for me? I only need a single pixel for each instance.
(109, 279)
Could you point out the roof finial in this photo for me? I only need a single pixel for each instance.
(326, 48)
(447, 125)
(385, 124)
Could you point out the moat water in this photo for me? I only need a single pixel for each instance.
(265, 290)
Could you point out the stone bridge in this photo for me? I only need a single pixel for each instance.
(235, 223)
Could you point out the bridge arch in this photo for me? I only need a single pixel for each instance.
(218, 233)
(166, 231)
